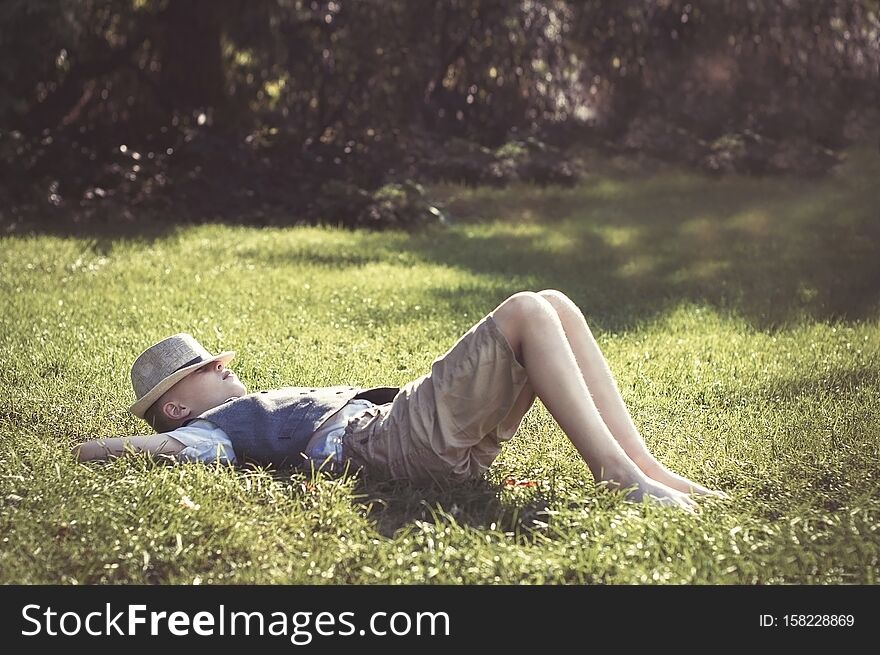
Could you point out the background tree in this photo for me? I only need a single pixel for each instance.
(249, 110)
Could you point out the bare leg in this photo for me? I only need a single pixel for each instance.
(521, 406)
(535, 333)
(600, 381)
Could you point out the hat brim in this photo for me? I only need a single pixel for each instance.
(140, 407)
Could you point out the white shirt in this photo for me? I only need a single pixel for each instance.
(205, 442)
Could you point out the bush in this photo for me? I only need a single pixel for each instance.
(802, 157)
(399, 205)
(459, 161)
(340, 202)
(531, 160)
(660, 138)
(543, 164)
(741, 152)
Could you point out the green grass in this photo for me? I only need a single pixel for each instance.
(739, 316)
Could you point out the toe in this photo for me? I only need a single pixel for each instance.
(688, 508)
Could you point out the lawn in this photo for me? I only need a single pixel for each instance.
(739, 316)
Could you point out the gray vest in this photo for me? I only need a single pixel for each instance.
(274, 427)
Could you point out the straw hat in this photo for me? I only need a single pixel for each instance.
(166, 363)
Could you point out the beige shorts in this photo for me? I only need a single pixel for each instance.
(443, 426)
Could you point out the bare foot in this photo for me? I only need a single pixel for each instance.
(656, 471)
(640, 488)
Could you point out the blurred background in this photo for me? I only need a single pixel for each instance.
(290, 111)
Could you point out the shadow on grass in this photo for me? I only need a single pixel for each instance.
(103, 235)
(819, 461)
(774, 251)
(477, 504)
(832, 384)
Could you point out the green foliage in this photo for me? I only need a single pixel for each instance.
(531, 160)
(244, 109)
(339, 202)
(732, 152)
(541, 163)
(400, 205)
(396, 205)
(734, 313)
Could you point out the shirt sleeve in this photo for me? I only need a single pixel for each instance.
(203, 442)
(327, 445)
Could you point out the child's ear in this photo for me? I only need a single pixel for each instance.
(175, 411)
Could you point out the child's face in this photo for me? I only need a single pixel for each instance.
(207, 387)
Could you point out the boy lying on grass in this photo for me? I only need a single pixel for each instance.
(447, 425)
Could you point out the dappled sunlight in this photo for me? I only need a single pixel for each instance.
(515, 204)
(560, 242)
(617, 237)
(607, 188)
(777, 253)
(717, 395)
(777, 250)
(502, 229)
(703, 231)
(706, 271)
(338, 192)
(639, 266)
(755, 223)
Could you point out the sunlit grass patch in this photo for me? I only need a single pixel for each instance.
(739, 316)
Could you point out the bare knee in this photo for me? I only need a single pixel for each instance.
(519, 312)
(563, 305)
(524, 306)
(556, 298)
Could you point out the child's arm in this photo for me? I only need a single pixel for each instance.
(158, 444)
